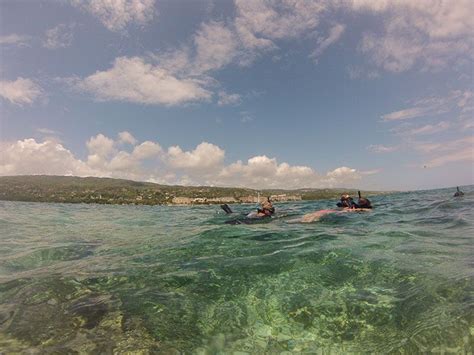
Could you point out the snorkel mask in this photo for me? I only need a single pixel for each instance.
(346, 201)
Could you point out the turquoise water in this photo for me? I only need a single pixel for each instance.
(112, 279)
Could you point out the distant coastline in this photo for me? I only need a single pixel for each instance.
(71, 189)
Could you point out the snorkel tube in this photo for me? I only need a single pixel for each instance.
(458, 192)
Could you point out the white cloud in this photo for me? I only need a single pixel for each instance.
(433, 34)
(357, 72)
(265, 172)
(343, 171)
(380, 148)
(457, 104)
(216, 46)
(434, 105)
(147, 150)
(205, 156)
(467, 125)
(203, 165)
(262, 171)
(440, 153)
(445, 146)
(134, 80)
(429, 128)
(117, 14)
(408, 113)
(228, 99)
(60, 36)
(21, 91)
(246, 116)
(464, 154)
(182, 75)
(323, 43)
(370, 172)
(240, 40)
(430, 33)
(107, 160)
(49, 134)
(100, 149)
(260, 23)
(122, 162)
(100, 145)
(126, 137)
(15, 39)
(31, 157)
(47, 131)
(272, 20)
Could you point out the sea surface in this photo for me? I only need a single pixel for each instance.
(157, 279)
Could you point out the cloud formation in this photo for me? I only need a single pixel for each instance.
(228, 99)
(135, 80)
(429, 34)
(205, 157)
(461, 100)
(15, 39)
(259, 22)
(442, 153)
(148, 161)
(60, 36)
(31, 157)
(215, 46)
(457, 105)
(380, 148)
(118, 14)
(182, 74)
(21, 91)
(126, 137)
(429, 128)
(324, 42)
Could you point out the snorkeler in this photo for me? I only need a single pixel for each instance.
(458, 193)
(348, 205)
(263, 213)
(348, 202)
(266, 209)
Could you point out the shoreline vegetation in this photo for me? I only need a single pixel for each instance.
(71, 189)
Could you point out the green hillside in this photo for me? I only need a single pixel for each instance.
(41, 188)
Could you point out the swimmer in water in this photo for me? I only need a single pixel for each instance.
(458, 192)
(267, 209)
(347, 204)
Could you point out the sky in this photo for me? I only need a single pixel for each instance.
(263, 94)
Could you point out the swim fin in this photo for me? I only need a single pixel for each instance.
(226, 208)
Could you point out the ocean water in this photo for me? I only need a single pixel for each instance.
(114, 279)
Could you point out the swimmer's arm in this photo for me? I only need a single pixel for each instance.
(356, 210)
(310, 217)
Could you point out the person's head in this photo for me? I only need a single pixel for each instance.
(364, 203)
(346, 201)
(269, 199)
(345, 197)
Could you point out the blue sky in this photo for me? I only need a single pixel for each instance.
(376, 95)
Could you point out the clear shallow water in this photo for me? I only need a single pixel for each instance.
(91, 278)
